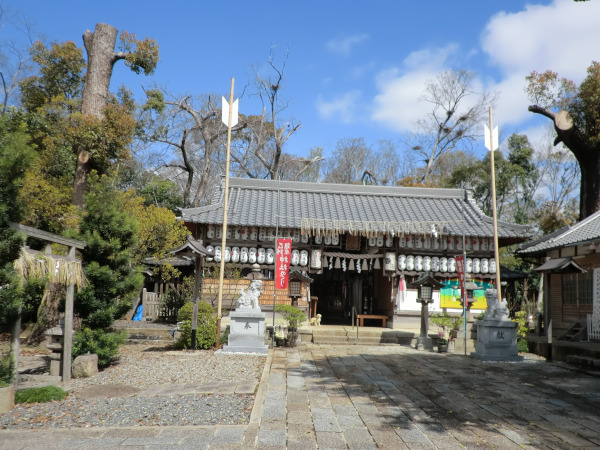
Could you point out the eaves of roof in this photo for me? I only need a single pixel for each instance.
(320, 208)
(588, 230)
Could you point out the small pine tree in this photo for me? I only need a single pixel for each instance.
(109, 231)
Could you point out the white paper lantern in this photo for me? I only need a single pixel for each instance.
(235, 254)
(270, 256)
(252, 255)
(244, 255)
(304, 258)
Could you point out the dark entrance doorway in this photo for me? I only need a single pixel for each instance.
(339, 291)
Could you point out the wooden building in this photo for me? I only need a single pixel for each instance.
(570, 264)
(359, 244)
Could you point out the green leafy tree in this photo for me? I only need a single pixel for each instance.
(575, 113)
(517, 180)
(110, 231)
(16, 154)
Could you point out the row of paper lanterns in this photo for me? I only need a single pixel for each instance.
(436, 264)
(245, 255)
(391, 263)
(472, 243)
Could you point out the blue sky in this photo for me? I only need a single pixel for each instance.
(353, 69)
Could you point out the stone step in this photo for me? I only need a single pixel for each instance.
(329, 339)
(153, 332)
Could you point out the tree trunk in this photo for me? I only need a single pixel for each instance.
(589, 191)
(100, 46)
(587, 154)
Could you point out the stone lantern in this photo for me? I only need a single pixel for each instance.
(470, 288)
(425, 285)
(296, 283)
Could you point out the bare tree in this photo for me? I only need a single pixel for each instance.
(348, 162)
(196, 133)
(559, 183)
(15, 62)
(456, 115)
(260, 150)
(354, 161)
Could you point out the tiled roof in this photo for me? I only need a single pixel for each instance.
(588, 230)
(320, 207)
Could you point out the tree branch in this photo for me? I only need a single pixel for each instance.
(543, 111)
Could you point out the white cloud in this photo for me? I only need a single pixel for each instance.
(559, 36)
(342, 108)
(399, 103)
(344, 45)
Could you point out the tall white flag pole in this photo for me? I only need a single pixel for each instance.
(231, 108)
(493, 145)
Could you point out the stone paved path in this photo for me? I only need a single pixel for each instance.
(394, 397)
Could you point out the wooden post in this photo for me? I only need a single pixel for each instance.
(196, 295)
(225, 206)
(494, 213)
(68, 329)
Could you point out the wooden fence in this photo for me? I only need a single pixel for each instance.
(153, 309)
(151, 301)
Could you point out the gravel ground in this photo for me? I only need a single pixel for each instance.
(142, 366)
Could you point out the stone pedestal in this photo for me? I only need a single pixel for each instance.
(56, 346)
(496, 334)
(246, 332)
(496, 341)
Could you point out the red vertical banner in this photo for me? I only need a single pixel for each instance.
(282, 263)
(460, 269)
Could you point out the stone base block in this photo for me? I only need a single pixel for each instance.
(247, 332)
(496, 340)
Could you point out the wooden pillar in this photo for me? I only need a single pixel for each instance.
(68, 329)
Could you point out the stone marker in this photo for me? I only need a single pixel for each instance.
(496, 333)
(247, 328)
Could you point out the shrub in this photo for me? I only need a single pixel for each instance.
(523, 346)
(105, 345)
(294, 316)
(40, 394)
(7, 370)
(206, 331)
(523, 326)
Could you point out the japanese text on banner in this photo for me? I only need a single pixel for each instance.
(282, 263)
(460, 269)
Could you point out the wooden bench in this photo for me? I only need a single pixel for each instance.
(362, 317)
